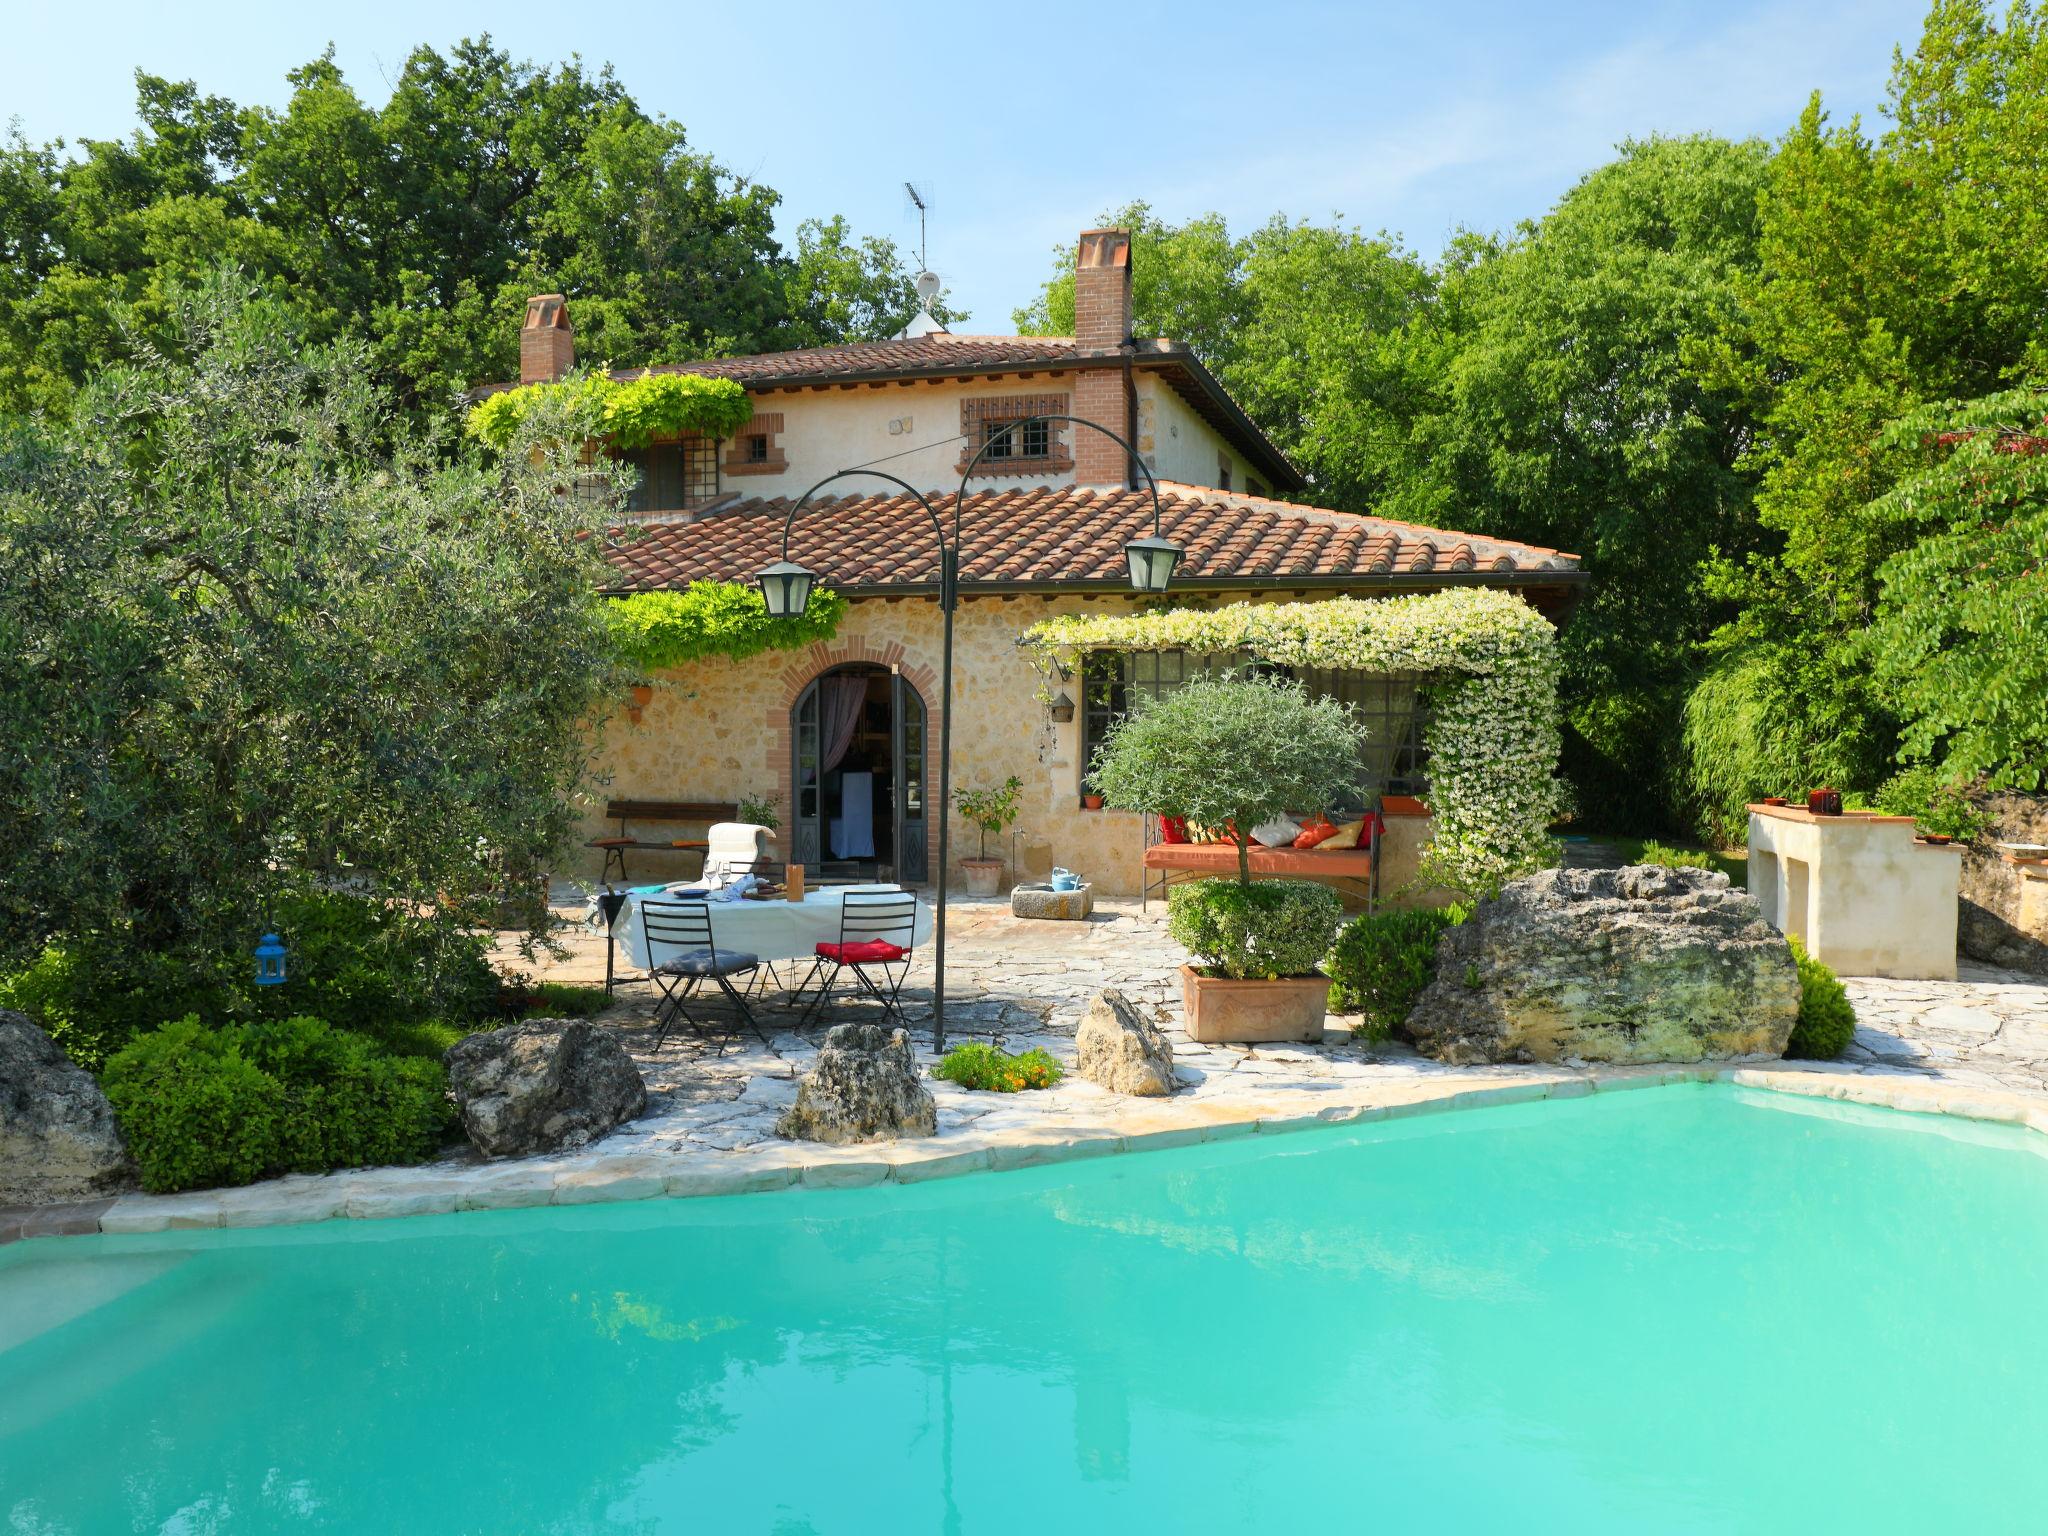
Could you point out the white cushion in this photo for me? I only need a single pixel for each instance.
(1280, 832)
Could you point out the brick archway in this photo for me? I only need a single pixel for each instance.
(808, 665)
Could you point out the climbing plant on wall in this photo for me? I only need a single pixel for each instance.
(627, 413)
(657, 630)
(1493, 727)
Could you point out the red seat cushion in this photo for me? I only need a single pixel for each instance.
(1173, 829)
(863, 952)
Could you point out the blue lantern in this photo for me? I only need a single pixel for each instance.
(269, 961)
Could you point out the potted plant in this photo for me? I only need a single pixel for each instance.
(1237, 753)
(990, 810)
(761, 811)
(638, 697)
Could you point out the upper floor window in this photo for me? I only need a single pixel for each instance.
(1016, 445)
(674, 477)
(756, 449)
(1223, 471)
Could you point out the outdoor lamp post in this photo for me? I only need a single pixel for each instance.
(786, 593)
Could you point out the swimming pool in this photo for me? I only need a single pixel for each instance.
(1682, 1309)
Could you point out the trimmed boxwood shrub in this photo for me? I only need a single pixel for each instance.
(202, 1107)
(1266, 930)
(1382, 961)
(1827, 1019)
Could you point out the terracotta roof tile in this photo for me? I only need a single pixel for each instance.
(936, 352)
(1054, 536)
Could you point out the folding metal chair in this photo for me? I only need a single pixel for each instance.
(684, 927)
(877, 930)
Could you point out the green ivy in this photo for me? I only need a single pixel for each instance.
(658, 630)
(628, 413)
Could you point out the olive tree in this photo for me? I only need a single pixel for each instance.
(1231, 753)
(248, 648)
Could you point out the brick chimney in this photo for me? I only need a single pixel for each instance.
(547, 347)
(1102, 323)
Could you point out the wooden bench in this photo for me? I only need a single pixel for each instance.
(683, 812)
(1354, 872)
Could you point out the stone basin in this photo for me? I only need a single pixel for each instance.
(1043, 901)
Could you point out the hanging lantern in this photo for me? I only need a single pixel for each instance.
(1152, 561)
(1061, 708)
(786, 589)
(269, 961)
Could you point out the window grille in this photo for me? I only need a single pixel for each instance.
(674, 476)
(1392, 759)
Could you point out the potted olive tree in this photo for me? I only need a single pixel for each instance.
(990, 810)
(1236, 753)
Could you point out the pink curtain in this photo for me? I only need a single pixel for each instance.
(839, 705)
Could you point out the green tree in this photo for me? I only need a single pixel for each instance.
(418, 228)
(246, 652)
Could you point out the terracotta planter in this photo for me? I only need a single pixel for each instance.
(638, 697)
(1091, 802)
(1219, 1009)
(984, 876)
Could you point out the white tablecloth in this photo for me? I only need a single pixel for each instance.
(769, 930)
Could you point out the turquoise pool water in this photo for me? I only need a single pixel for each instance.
(1687, 1309)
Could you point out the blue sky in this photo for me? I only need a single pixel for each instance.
(1027, 121)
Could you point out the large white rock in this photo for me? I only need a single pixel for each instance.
(864, 1087)
(1122, 1050)
(1637, 964)
(58, 1138)
(542, 1086)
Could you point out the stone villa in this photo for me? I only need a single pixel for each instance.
(845, 735)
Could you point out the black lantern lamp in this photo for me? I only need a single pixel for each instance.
(786, 589)
(1152, 561)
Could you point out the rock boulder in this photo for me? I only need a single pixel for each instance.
(1122, 1050)
(1637, 964)
(58, 1139)
(864, 1087)
(542, 1086)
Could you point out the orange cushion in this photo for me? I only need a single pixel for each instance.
(863, 952)
(1346, 836)
(1319, 831)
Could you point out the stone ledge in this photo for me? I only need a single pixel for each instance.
(1152, 1125)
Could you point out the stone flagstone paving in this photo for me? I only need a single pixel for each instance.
(1976, 1046)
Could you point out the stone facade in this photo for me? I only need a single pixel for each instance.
(2005, 896)
(720, 730)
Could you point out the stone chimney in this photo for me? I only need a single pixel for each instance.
(1102, 323)
(547, 347)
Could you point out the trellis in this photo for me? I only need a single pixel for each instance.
(1493, 727)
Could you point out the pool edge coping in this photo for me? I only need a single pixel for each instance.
(1159, 1125)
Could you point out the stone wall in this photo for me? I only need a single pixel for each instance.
(2005, 901)
(718, 730)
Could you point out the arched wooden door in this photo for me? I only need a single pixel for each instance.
(909, 835)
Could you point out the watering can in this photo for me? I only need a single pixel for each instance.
(1065, 880)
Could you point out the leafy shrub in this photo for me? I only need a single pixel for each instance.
(1270, 929)
(1939, 805)
(356, 963)
(203, 1107)
(1827, 1019)
(1654, 852)
(983, 1067)
(658, 630)
(1381, 962)
(94, 994)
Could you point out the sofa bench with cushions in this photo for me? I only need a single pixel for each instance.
(1353, 871)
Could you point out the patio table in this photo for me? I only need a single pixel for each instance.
(768, 930)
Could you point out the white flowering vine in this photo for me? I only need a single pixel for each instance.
(1491, 664)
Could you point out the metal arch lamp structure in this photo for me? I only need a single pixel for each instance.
(786, 592)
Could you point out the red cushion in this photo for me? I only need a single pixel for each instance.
(864, 952)
(1321, 830)
(1173, 829)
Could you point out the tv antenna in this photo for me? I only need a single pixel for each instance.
(920, 199)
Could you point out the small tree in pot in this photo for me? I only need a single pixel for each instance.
(1235, 753)
(990, 810)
